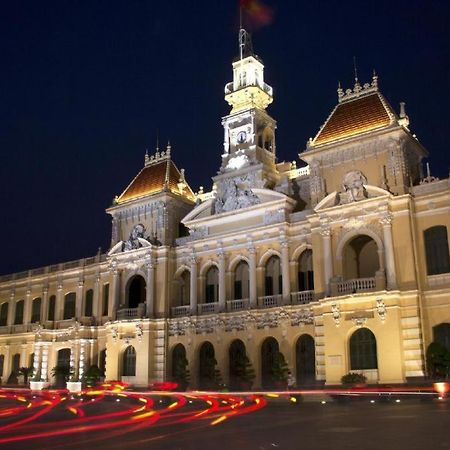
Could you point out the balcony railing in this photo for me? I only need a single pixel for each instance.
(356, 285)
(5, 329)
(270, 301)
(302, 297)
(180, 311)
(66, 323)
(127, 313)
(208, 308)
(238, 305)
(229, 87)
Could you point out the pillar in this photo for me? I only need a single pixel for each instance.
(79, 300)
(386, 222)
(252, 277)
(81, 360)
(222, 281)
(193, 287)
(44, 306)
(27, 308)
(114, 301)
(44, 362)
(327, 257)
(285, 276)
(59, 306)
(96, 300)
(36, 360)
(150, 292)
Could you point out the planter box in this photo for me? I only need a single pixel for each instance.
(38, 385)
(73, 386)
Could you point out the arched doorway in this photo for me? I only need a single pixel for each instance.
(269, 351)
(136, 291)
(305, 358)
(273, 281)
(363, 353)
(305, 272)
(63, 359)
(180, 372)
(129, 362)
(241, 281)
(361, 258)
(102, 361)
(441, 334)
(207, 375)
(212, 285)
(237, 356)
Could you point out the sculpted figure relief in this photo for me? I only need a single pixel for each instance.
(233, 195)
(353, 184)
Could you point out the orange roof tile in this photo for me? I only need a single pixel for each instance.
(152, 180)
(353, 117)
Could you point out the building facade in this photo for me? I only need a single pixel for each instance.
(340, 261)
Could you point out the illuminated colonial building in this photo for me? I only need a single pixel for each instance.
(339, 261)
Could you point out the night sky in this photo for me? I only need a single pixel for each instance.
(85, 85)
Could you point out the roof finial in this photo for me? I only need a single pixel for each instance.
(374, 79)
(340, 91)
(167, 177)
(146, 159)
(357, 88)
(157, 140)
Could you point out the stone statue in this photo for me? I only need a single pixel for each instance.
(136, 239)
(353, 184)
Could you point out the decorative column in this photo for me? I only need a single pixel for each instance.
(286, 288)
(72, 361)
(36, 360)
(97, 303)
(222, 281)
(193, 287)
(44, 363)
(44, 307)
(59, 307)
(327, 257)
(11, 308)
(252, 277)
(150, 292)
(115, 289)
(79, 299)
(391, 279)
(27, 307)
(82, 359)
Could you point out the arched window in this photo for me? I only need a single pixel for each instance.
(102, 361)
(18, 317)
(4, 314)
(241, 281)
(212, 285)
(2, 363)
(305, 272)
(237, 363)
(273, 279)
(361, 258)
(136, 291)
(436, 250)
(88, 303)
(207, 366)
(129, 362)
(16, 363)
(305, 360)
(63, 359)
(269, 352)
(36, 310)
(51, 307)
(185, 288)
(105, 304)
(363, 350)
(69, 305)
(441, 334)
(179, 365)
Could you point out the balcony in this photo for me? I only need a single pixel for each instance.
(354, 286)
(229, 87)
(270, 301)
(302, 298)
(5, 329)
(208, 308)
(238, 305)
(180, 311)
(131, 313)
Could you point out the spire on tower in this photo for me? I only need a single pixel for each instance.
(245, 44)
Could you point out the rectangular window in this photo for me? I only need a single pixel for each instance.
(210, 293)
(105, 299)
(51, 308)
(268, 287)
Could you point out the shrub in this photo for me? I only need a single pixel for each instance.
(353, 378)
(438, 360)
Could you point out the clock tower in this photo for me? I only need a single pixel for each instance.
(249, 132)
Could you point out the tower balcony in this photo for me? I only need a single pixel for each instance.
(229, 87)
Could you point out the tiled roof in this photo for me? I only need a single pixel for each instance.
(152, 180)
(352, 117)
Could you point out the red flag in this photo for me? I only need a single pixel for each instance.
(257, 13)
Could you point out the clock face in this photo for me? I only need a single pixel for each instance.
(241, 137)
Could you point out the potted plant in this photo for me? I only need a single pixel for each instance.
(25, 371)
(92, 375)
(280, 371)
(354, 379)
(210, 378)
(242, 374)
(61, 375)
(180, 373)
(438, 361)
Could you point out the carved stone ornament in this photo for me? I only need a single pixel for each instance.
(180, 327)
(302, 317)
(136, 239)
(115, 333)
(208, 325)
(139, 331)
(353, 185)
(336, 313)
(381, 309)
(233, 194)
(236, 323)
(269, 320)
(359, 321)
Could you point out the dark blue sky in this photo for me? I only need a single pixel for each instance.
(86, 84)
